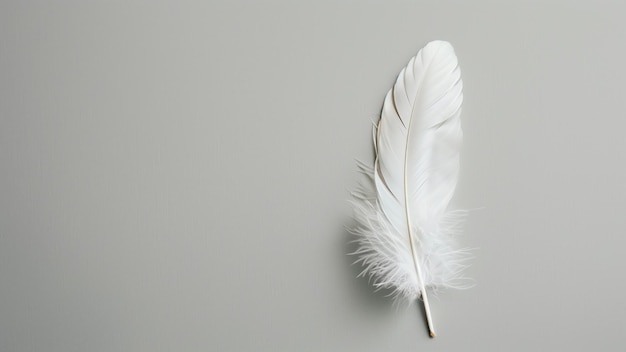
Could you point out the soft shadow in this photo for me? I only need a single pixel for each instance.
(380, 299)
(422, 312)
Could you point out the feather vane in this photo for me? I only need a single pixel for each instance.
(406, 234)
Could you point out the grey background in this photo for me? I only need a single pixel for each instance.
(175, 175)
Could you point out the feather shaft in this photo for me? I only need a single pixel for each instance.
(416, 262)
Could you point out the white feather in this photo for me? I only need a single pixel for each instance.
(415, 173)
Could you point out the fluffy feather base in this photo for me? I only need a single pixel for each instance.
(380, 248)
